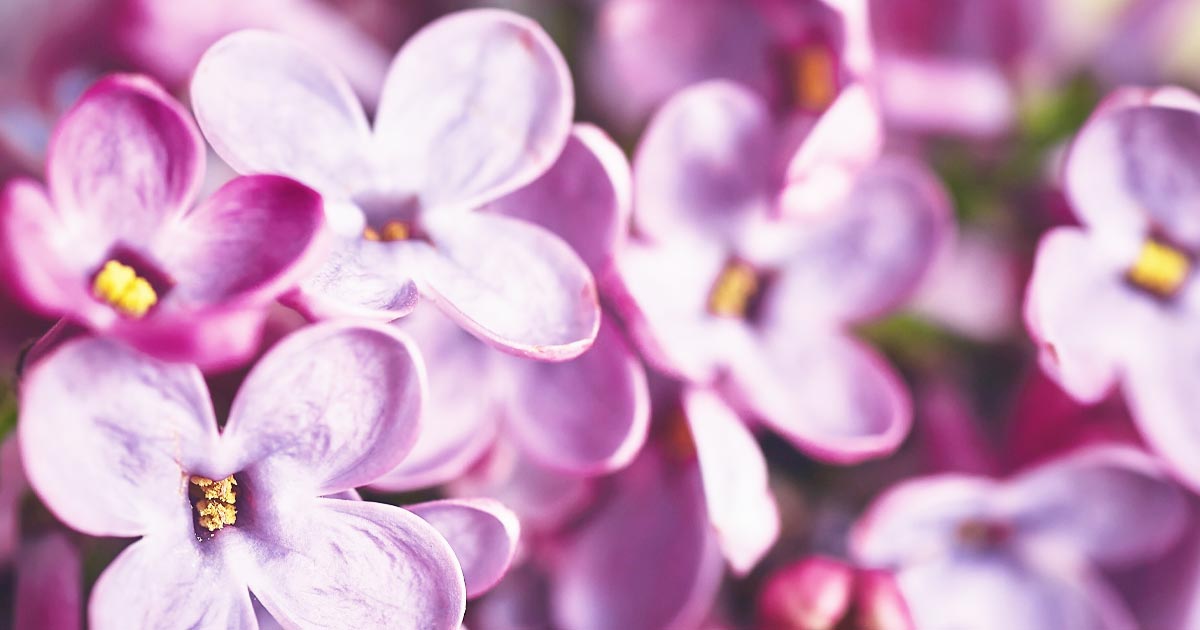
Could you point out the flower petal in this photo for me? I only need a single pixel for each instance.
(834, 398)
(584, 198)
(919, 519)
(815, 592)
(364, 280)
(1160, 388)
(734, 472)
(1126, 172)
(932, 94)
(109, 436)
(704, 167)
(476, 105)
(355, 564)
(845, 140)
(985, 593)
(587, 415)
(329, 408)
(483, 534)
(646, 559)
(871, 254)
(1112, 503)
(251, 241)
(1077, 298)
(125, 159)
(164, 581)
(49, 585)
(12, 493)
(513, 285)
(319, 137)
(461, 427)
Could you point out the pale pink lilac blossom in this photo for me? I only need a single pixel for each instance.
(476, 105)
(329, 408)
(1114, 302)
(123, 169)
(821, 592)
(586, 416)
(1024, 552)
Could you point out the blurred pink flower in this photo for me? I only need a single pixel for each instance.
(820, 592)
(721, 290)
(115, 244)
(1115, 301)
(587, 415)
(49, 593)
(475, 106)
(1023, 553)
(118, 444)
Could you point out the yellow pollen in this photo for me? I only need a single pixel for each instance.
(392, 231)
(813, 79)
(121, 287)
(1160, 268)
(733, 290)
(217, 509)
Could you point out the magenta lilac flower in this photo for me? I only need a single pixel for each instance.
(115, 244)
(475, 106)
(821, 592)
(117, 444)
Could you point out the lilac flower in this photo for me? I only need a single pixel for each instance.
(12, 491)
(475, 106)
(117, 444)
(587, 415)
(819, 592)
(115, 245)
(722, 291)
(1115, 301)
(1023, 553)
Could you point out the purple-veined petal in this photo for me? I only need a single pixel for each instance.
(587, 415)
(251, 241)
(269, 105)
(214, 339)
(463, 407)
(358, 565)
(483, 534)
(1126, 172)
(476, 105)
(1076, 300)
(1114, 504)
(165, 580)
(49, 589)
(845, 140)
(833, 397)
(512, 284)
(705, 165)
(331, 407)
(109, 436)
(646, 560)
(990, 592)
(872, 253)
(584, 198)
(124, 160)
(733, 470)
(362, 279)
(919, 519)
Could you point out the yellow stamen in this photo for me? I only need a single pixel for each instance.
(121, 287)
(814, 80)
(733, 290)
(1160, 268)
(217, 509)
(392, 231)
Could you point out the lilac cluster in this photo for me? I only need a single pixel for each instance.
(337, 314)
